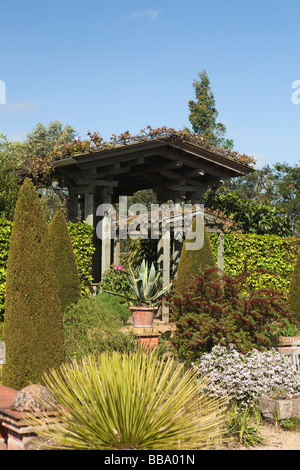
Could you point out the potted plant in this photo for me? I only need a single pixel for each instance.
(144, 295)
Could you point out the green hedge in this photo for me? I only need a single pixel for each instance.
(262, 253)
(81, 236)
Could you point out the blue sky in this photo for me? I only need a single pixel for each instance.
(121, 65)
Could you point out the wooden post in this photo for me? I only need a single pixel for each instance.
(72, 206)
(106, 242)
(166, 244)
(117, 258)
(89, 209)
(221, 251)
(177, 244)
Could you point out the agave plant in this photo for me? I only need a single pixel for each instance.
(144, 284)
(135, 400)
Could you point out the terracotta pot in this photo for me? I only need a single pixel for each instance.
(143, 316)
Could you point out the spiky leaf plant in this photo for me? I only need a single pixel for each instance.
(144, 285)
(129, 401)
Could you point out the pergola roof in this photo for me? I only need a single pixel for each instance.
(168, 165)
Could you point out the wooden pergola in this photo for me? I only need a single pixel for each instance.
(176, 170)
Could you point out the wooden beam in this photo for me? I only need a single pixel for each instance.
(181, 178)
(215, 157)
(175, 187)
(98, 162)
(96, 182)
(195, 163)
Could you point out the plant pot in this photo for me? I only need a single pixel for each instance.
(143, 316)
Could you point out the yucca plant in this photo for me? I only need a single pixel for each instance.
(145, 285)
(133, 400)
(243, 427)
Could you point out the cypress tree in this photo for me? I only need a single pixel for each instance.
(64, 261)
(192, 261)
(294, 292)
(33, 329)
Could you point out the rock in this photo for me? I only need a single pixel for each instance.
(34, 398)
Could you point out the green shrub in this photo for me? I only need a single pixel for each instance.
(115, 280)
(191, 261)
(294, 292)
(94, 324)
(33, 331)
(64, 261)
(5, 236)
(81, 235)
(269, 259)
(213, 309)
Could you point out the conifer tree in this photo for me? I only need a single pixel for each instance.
(192, 261)
(203, 114)
(294, 293)
(33, 329)
(64, 261)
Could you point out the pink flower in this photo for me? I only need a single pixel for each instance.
(119, 268)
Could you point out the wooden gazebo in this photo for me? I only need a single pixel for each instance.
(174, 169)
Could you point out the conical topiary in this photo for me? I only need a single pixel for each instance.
(192, 261)
(33, 329)
(294, 292)
(64, 261)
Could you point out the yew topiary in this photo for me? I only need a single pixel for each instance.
(33, 328)
(64, 261)
(192, 261)
(294, 292)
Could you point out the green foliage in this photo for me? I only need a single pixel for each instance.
(94, 324)
(134, 250)
(39, 146)
(294, 291)
(291, 424)
(219, 309)
(276, 187)
(33, 332)
(64, 261)
(144, 285)
(81, 235)
(191, 261)
(9, 181)
(249, 215)
(115, 280)
(268, 259)
(243, 427)
(5, 237)
(203, 114)
(133, 401)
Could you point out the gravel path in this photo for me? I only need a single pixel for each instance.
(276, 438)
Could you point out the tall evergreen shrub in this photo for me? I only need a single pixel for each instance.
(64, 261)
(192, 261)
(33, 330)
(294, 293)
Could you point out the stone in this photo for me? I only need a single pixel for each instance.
(34, 398)
(279, 409)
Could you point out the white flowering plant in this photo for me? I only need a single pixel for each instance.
(244, 378)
